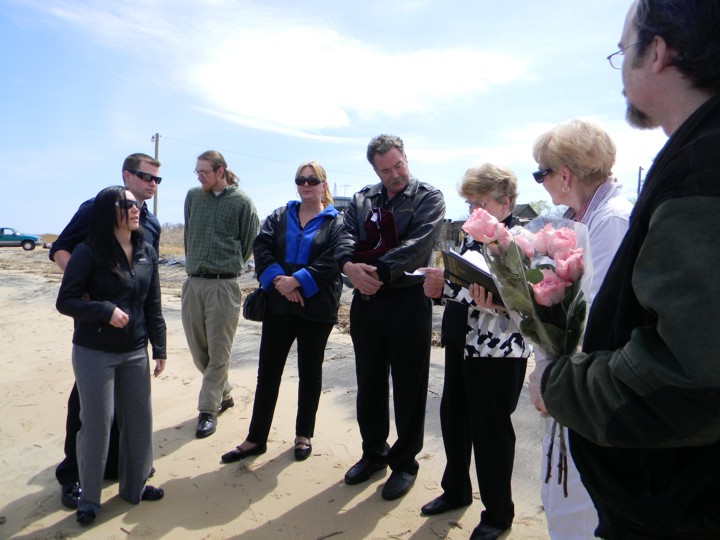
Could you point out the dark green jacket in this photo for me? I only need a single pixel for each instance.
(643, 400)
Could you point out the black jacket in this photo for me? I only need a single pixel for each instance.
(137, 294)
(418, 213)
(282, 248)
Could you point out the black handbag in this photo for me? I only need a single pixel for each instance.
(254, 305)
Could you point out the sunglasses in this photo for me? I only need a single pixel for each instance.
(127, 204)
(309, 180)
(145, 176)
(540, 175)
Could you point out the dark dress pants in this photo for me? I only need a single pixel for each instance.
(278, 334)
(391, 333)
(67, 470)
(479, 397)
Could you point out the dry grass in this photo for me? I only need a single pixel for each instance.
(171, 240)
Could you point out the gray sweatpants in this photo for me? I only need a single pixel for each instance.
(113, 383)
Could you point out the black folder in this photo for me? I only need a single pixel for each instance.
(461, 271)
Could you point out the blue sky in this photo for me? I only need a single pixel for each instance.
(271, 84)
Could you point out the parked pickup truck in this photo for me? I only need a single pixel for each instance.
(11, 238)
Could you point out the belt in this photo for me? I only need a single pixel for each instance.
(215, 276)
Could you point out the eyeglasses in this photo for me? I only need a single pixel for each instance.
(127, 204)
(540, 175)
(145, 176)
(616, 58)
(309, 180)
(476, 204)
(201, 173)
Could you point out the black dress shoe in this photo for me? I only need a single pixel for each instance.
(397, 485)
(206, 425)
(238, 453)
(86, 517)
(362, 471)
(440, 505)
(70, 495)
(302, 451)
(151, 493)
(486, 532)
(225, 404)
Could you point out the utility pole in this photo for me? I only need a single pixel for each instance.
(156, 139)
(640, 170)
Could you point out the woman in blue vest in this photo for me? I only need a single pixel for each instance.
(294, 262)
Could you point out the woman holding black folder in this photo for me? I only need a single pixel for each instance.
(485, 362)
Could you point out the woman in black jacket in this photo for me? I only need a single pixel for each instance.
(112, 290)
(295, 266)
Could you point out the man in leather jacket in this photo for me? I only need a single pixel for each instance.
(390, 317)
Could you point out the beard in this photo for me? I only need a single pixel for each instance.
(636, 118)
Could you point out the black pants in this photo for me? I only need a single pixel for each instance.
(479, 395)
(391, 335)
(278, 334)
(67, 470)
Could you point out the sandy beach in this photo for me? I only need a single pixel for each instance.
(268, 496)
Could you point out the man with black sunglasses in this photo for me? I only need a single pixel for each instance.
(140, 176)
(389, 230)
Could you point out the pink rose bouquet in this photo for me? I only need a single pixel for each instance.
(541, 271)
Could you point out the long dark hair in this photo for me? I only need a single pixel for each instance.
(102, 227)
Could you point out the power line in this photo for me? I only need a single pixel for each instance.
(274, 160)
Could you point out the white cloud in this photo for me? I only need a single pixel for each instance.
(270, 68)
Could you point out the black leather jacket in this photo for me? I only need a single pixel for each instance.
(418, 213)
(137, 294)
(314, 265)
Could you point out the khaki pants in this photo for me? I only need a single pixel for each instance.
(210, 315)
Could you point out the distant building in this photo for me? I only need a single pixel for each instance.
(524, 212)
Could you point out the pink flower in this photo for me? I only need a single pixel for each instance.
(525, 244)
(569, 265)
(543, 238)
(550, 290)
(549, 241)
(483, 227)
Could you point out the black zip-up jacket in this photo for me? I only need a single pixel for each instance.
(282, 248)
(137, 294)
(418, 213)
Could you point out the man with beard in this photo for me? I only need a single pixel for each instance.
(642, 400)
(220, 226)
(140, 177)
(390, 229)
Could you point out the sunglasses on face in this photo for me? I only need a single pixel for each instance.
(540, 175)
(127, 204)
(309, 180)
(145, 176)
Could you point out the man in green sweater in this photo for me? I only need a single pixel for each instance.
(220, 226)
